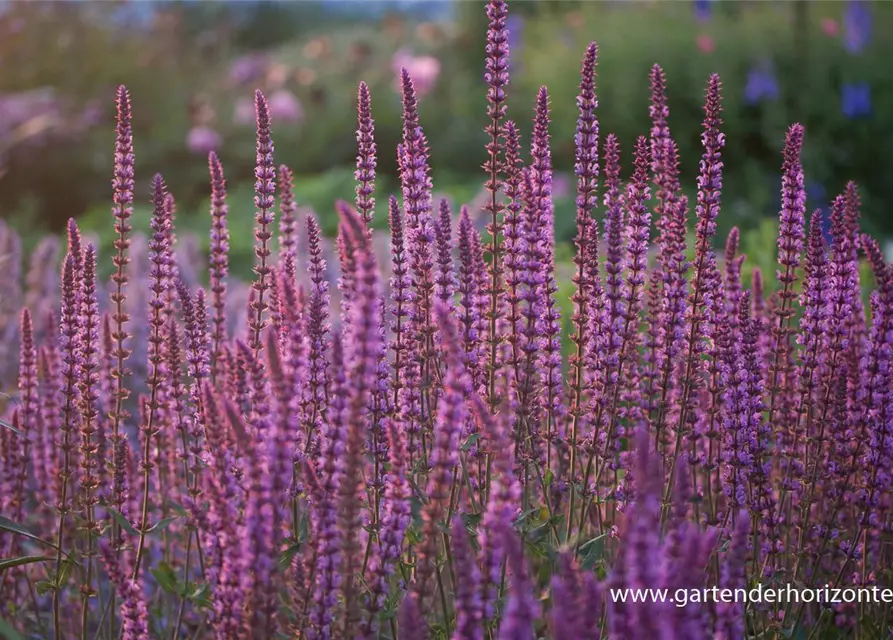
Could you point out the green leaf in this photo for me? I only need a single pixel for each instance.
(9, 525)
(123, 522)
(523, 517)
(161, 525)
(8, 632)
(43, 586)
(469, 443)
(471, 521)
(167, 579)
(180, 509)
(14, 527)
(288, 555)
(541, 531)
(8, 563)
(64, 572)
(548, 478)
(200, 595)
(592, 551)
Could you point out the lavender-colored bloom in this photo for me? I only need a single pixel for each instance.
(544, 319)
(790, 245)
(517, 622)
(325, 478)
(586, 170)
(452, 414)
(285, 107)
(248, 68)
(27, 415)
(366, 159)
(876, 391)
(317, 392)
(69, 355)
(730, 622)
(445, 284)
(88, 383)
(362, 363)
(134, 612)
(503, 498)
(288, 209)
(202, 140)
(423, 69)
(472, 300)
(264, 191)
(469, 610)
(412, 625)
(218, 260)
(496, 76)
(710, 178)
(614, 260)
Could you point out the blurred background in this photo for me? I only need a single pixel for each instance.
(192, 68)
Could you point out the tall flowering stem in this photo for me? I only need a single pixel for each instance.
(218, 260)
(637, 195)
(264, 192)
(69, 326)
(159, 275)
(496, 75)
(548, 325)
(791, 233)
(416, 185)
(709, 190)
(513, 245)
(366, 159)
(363, 373)
(288, 210)
(88, 382)
(122, 185)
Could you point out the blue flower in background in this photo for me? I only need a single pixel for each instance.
(856, 26)
(855, 100)
(761, 84)
(702, 10)
(515, 25)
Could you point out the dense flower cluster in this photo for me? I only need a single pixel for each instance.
(415, 458)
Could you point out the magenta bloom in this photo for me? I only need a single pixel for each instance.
(422, 69)
(285, 107)
(203, 140)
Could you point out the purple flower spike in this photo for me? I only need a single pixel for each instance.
(218, 261)
(288, 209)
(496, 75)
(445, 288)
(469, 610)
(366, 160)
(520, 611)
(88, 387)
(134, 612)
(710, 179)
(264, 191)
